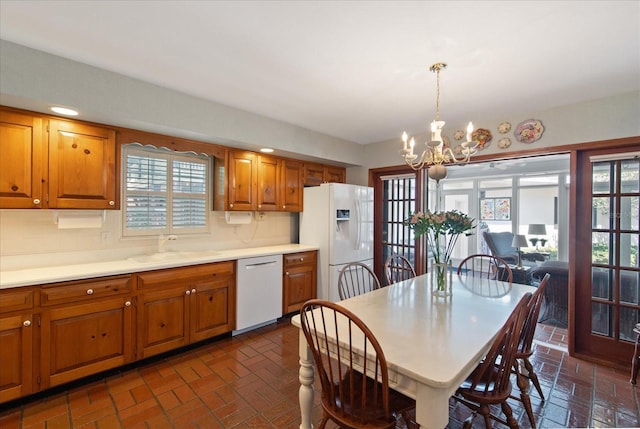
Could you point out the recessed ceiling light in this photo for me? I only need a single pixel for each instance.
(64, 111)
(266, 150)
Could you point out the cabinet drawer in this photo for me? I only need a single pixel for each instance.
(16, 299)
(85, 289)
(185, 275)
(293, 259)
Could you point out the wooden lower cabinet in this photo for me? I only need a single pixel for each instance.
(16, 354)
(85, 338)
(300, 273)
(179, 306)
(56, 333)
(17, 325)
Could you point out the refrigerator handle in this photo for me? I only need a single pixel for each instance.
(357, 225)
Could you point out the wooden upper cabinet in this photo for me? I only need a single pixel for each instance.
(335, 174)
(242, 181)
(50, 163)
(291, 186)
(23, 161)
(268, 184)
(313, 174)
(316, 174)
(263, 183)
(82, 166)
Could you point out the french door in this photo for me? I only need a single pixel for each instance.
(607, 274)
(400, 193)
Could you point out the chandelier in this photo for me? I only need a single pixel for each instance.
(435, 155)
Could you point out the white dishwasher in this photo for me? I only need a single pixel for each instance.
(258, 291)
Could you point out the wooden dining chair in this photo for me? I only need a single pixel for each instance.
(489, 383)
(398, 268)
(356, 278)
(349, 398)
(486, 266)
(525, 350)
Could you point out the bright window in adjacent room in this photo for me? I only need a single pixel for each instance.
(164, 192)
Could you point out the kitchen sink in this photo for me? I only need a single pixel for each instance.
(172, 256)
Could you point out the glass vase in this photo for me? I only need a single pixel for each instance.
(441, 280)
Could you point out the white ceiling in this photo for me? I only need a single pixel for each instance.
(351, 69)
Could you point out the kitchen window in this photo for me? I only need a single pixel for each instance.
(165, 192)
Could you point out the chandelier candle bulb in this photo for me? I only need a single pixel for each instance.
(469, 131)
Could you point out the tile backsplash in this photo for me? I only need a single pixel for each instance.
(31, 238)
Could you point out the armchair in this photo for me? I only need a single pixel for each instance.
(500, 245)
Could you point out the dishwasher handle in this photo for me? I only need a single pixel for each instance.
(260, 265)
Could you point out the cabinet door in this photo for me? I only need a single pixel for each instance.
(212, 307)
(82, 166)
(299, 280)
(313, 174)
(242, 181)
(299, 286)
(268, 184)
(334, 175)
(291, 186)
(23, 161)
(16, 354)
(163, 320)
(84, 339)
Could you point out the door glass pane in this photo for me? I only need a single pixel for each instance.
(629, 287)
(629, 213)
(602, 245)
(601, 212)
(601, 280)
(628, 319)
(601, 318)
(630, 176)
(603, 178)
(629, 250)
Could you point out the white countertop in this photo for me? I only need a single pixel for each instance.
(58, 273)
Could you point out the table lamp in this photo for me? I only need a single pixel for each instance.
(518, 242)
(537, 229)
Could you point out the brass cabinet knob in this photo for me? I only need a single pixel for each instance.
(127, 304)
(112, 203)
(27, 323)
(36, 201)
(89, 291)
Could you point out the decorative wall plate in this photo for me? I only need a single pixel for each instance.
(504, 143)
(458, 135)
(529, 131)
(504, 127)
(483, 137)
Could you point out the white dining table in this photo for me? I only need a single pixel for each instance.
(431, 344)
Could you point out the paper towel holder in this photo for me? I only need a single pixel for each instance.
(82, 219)
(238, 218)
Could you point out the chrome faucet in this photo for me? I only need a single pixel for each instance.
(162, 239)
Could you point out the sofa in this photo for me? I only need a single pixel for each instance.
(555, 304)
(556, 297)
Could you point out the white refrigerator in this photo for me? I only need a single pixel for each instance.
(338, 218)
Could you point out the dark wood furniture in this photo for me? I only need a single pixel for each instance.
(398, 268)
(486, 266)
(525, 350)
(521, 275)
(490, 382)
(356, 278)
(350, 398)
